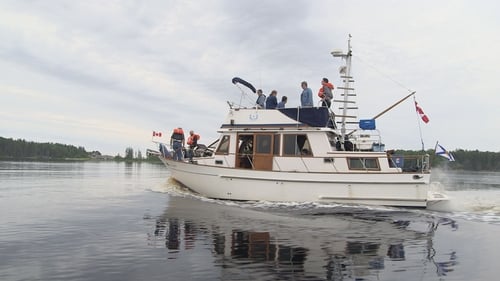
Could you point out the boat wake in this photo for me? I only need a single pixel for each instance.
(470, 205)
(473, 195)
(475, 205)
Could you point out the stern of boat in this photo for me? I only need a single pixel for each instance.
(436, 194)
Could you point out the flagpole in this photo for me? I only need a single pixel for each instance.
(419, 126)
(387, 109)
(392, 106)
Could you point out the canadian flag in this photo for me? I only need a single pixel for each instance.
(156, 134)
(421, 113)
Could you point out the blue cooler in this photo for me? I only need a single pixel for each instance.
(367, 124)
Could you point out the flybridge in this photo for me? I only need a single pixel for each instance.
(284, 117)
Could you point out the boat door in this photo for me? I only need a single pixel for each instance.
(263, 152)
(244, 152)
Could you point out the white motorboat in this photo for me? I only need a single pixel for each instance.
(308, 154)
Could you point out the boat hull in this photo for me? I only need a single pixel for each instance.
(389, 189)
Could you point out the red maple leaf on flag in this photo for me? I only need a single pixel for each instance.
(421, 113)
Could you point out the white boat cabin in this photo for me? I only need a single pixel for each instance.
(303, 140)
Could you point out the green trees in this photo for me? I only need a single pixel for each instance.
(21, 149)
(470, 160)
(474, 160)
(10, 149)
(129, 153)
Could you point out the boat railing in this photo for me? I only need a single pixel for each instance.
(367, 140)
(411, 163)
(249, 158)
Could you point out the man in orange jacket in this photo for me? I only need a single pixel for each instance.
(325, 92)
(192, 141)
(177, 143)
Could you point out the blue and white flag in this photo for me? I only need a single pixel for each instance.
(441, 151)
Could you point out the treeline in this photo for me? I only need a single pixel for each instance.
(10, 149)
(470, 160)
(131, 156)
(22, 149)
(475, 160)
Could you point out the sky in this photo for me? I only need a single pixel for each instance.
(106, 74)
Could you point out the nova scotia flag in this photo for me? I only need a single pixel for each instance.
(441, 151)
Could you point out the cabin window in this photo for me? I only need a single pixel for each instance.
(333, 140)
(263, 144)
(359, 163)
(245, 144)
(296, 145)
(224, 145)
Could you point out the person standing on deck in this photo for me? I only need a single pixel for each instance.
(177, 143)
(260, 100)
(325, 92)
(306, 97)
(192, 141)
(282, 103)
(272, 101)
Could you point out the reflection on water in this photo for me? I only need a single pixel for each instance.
(89, 221)
(283, 247)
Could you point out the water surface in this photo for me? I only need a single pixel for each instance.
(117, 221)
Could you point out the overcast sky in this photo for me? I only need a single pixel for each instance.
(105, 74)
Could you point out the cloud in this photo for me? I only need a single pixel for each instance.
(106, 74)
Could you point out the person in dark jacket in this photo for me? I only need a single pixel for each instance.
(272, 101)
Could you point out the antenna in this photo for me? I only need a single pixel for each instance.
(345, 72)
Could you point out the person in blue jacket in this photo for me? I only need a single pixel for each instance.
(272, 101)
(306, 97)
(282, 103)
